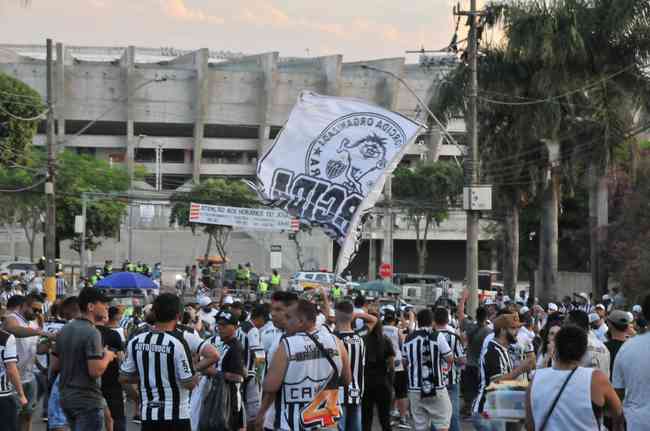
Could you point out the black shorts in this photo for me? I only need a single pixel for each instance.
(9, 413)
(177, 425)
(400, 384)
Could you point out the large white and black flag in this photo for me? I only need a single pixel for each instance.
(328, 165)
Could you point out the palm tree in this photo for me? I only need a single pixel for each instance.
(568, 73)
(600, 47)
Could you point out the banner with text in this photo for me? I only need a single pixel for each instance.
(245, 218)
(329, 163)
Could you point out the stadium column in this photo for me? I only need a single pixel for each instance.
(127, 62)
(201, 58)
(331, 70)
(59, 73)
(269, 65)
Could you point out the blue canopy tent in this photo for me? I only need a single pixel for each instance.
(126, 280)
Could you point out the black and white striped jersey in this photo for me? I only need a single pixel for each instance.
(249, 338)
(424, 352)
(7, 354)
(495, 361)
(456, 345)
(162, 361)
(356, 348)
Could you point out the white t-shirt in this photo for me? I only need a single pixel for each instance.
(601, 332)
(597, 355)
(209, 318)
(393, 335)
(635, 379)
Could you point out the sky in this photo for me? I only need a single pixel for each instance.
(357, 29)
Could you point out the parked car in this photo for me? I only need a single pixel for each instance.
(17, 267)
(300, 281)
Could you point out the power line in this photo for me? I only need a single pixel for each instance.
(561, 96)
(24, 189)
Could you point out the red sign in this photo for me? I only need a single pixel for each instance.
(385, 270)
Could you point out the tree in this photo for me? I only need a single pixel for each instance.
(20, 166)
(588, 58)
(426, 193)
(214, 191)
(19, 111)
(80, 173)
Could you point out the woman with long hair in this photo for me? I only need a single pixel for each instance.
(567, 396)
(379, 366)
(547, 348)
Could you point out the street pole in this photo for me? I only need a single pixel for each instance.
(50, 225)
(130, 232)
(84, 204)
(472, 173)
(387, 250)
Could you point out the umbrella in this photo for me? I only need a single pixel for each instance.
(126, 280)
(381, 286)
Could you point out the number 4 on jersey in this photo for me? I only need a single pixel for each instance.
(323, 411)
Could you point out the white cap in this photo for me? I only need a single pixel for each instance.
(606, 297)
(583, 296)
(489, 301)
(631, 316)
(552, 306)
(593, 317)
(524, 310)
(506, 298)
(601, 306)
(179, 277)
(332, 313)
(228, 300)
(637, 309)
(389, 307)
(204, 301)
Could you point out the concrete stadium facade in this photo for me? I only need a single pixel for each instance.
(201, 114)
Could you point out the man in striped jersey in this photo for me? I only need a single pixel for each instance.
(496, 365)
(352, 394)
(9, 382)
(161, 362)
(305, 371)
(425, 352)
(441, 321)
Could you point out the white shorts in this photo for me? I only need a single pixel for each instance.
(429, 411)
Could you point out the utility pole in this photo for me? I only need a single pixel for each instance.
(84, 205)
(50, 224)
(472, 165)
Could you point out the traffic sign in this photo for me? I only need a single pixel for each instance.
(385, 270)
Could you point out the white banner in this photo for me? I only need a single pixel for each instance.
(329, 163)
(245, 218)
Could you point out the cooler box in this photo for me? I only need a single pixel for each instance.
(506, 404)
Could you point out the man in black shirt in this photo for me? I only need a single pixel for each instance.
(111, 387)
(231, 362)
(618, 322)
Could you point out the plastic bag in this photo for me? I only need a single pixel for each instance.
(217, 406)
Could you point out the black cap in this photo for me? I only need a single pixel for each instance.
(225, 317)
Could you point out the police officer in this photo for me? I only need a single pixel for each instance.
(337, 292)
(275, 280)
(263, 286)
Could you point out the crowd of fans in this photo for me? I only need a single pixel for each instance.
(293, 363)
